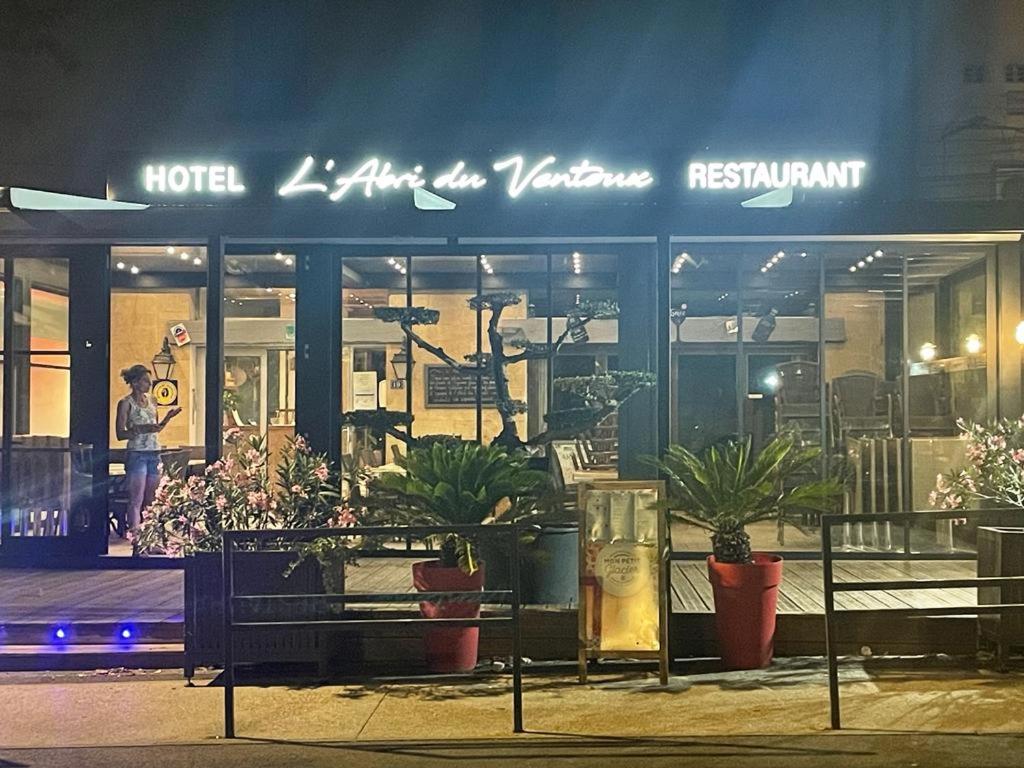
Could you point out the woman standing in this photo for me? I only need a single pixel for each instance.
(137, 423)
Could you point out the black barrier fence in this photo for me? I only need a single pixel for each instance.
(831, 586)
(288, 539)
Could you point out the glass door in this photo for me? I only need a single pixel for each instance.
(45, 478)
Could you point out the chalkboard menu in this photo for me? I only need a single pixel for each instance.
(447, 388)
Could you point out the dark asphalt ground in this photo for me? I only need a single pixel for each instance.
(817, 751)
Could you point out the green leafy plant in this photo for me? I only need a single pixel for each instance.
(463, 484)
(728, 487)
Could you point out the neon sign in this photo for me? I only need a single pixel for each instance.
(751, 174)
(517, 176)
(182, 179)
(582, 175)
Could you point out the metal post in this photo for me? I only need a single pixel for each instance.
(213, 426)
(229, 650)
(830, 630)
(517, 640)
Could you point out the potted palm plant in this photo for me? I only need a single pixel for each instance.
(461, 484)
(725, 489)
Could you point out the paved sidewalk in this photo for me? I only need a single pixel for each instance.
(777, 716)
(809, 751)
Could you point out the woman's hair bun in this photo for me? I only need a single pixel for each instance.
(134, 373)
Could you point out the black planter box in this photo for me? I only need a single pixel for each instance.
(1001, 553)
(255, 573)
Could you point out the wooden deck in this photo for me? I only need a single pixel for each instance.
(157, 596)
(802, 589)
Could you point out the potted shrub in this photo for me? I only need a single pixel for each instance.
(724, 490)
(190, 513)
(454, 484)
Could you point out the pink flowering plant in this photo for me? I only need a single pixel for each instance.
(994, 471)
(239, 492)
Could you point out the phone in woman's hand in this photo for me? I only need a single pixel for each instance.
(171, 414)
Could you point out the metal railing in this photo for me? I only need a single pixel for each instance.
(509, 597)
(831, 587)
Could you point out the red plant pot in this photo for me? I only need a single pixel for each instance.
(745, 599)
(449, 648)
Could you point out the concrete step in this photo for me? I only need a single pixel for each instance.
(62, 633)
(78, 656)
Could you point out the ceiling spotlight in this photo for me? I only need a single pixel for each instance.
(170, 250)
(184, 256)
(278, 256)
(197, 261)
(120, 265)
(134, 270)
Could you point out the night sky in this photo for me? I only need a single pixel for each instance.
(82, 80)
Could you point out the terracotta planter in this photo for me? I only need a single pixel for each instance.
(745, 599)
(449, 648)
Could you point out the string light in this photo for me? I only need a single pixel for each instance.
(485, 265)
(577, 262)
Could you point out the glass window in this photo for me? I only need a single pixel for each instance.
(40, 355)
(374, 367)
(39, 484)
(443, 400)
(583, 281)
(157, 294)
(259, 346)
(863, 380)
(545, 295)
(522, 324)
(703, 313)
(949, 366)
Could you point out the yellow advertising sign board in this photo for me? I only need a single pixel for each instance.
(165, 392)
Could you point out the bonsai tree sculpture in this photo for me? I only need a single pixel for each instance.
(602, 395)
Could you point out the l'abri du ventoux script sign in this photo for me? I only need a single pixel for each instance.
(447, 388)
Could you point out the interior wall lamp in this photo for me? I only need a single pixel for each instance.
(163, 361)
(401, 365)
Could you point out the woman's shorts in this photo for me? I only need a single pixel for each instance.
(142, 463)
